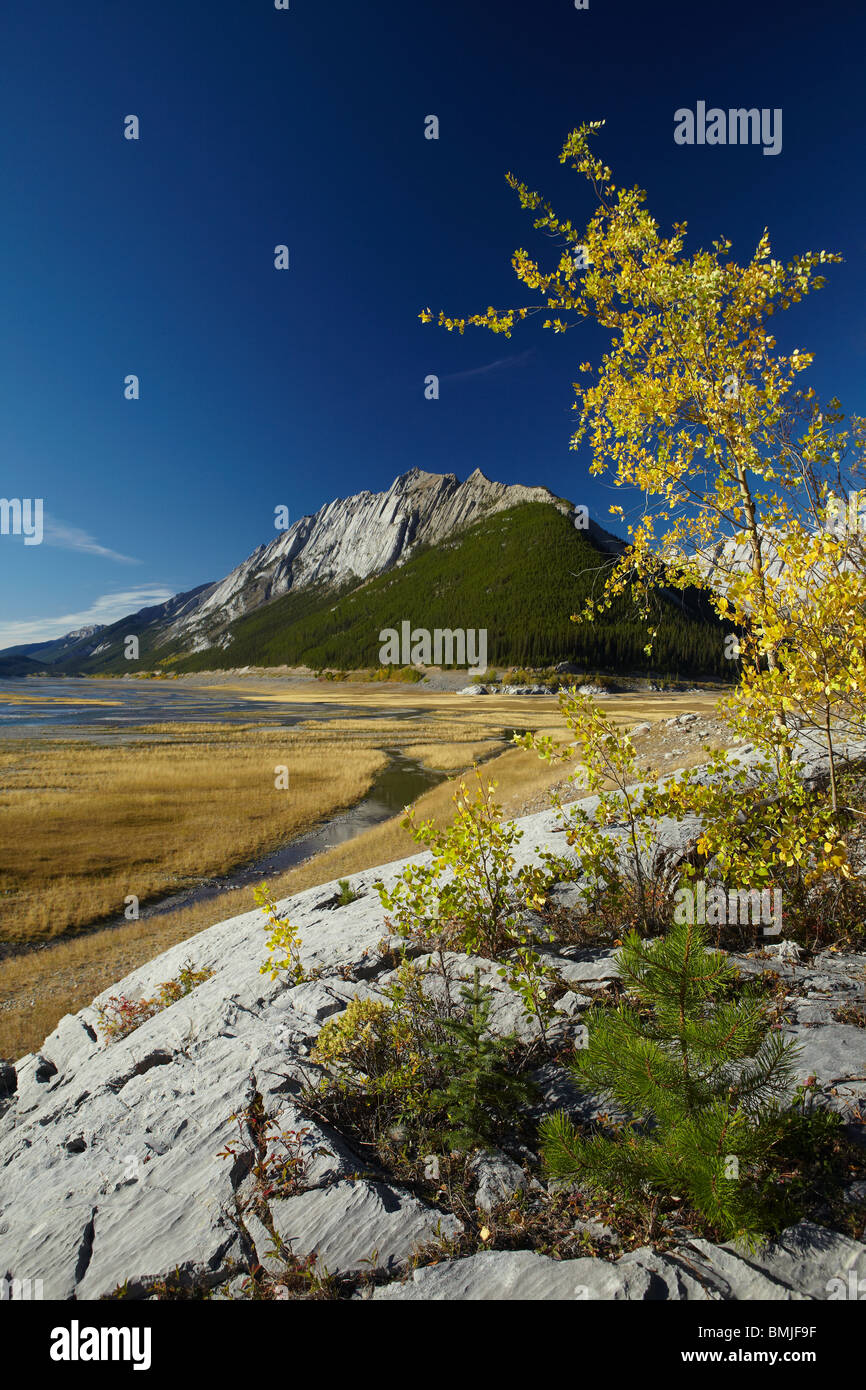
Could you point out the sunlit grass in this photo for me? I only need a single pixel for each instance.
(83, 826)
(104, 805)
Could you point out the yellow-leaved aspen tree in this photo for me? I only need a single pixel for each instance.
(692, 407)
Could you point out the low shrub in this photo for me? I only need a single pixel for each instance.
(469, 898)
(347, 895)
(121, 1015)
(480, 1096)
(283, 936)
(418, 1069)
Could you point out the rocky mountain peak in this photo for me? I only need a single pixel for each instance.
(352, 538)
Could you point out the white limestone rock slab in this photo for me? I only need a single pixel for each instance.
(358, 1227)
(109, 1168)
(725, 1269)
(835, 1055)
(809, 1258)
(507, 1275)
(498, 1178)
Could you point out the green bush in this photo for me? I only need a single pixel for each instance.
(469, 897)
(121, 1015)
(418, 1068)
(380, 1059)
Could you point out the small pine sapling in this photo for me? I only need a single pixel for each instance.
(481, 1095)
(697, 1064)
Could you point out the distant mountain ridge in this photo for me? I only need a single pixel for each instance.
(37, 658)
(14, 667)
(430, 549)
(351, 539)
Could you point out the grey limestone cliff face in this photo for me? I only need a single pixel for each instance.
(353, 537)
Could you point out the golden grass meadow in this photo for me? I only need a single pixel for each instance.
(83, 825)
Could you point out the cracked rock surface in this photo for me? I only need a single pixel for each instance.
(110, 1167)
(801, 1265)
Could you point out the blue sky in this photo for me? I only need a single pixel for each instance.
(306, 127)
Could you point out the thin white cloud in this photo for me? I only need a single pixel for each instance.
(106, 609)
(517, 360)
(63, 537)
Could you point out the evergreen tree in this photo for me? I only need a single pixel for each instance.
(701, 1072)
(481, 1095)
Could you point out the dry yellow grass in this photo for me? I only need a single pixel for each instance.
(9, 699)
(382, 696)
(451, 757)
(83, 826)
(38, 988)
